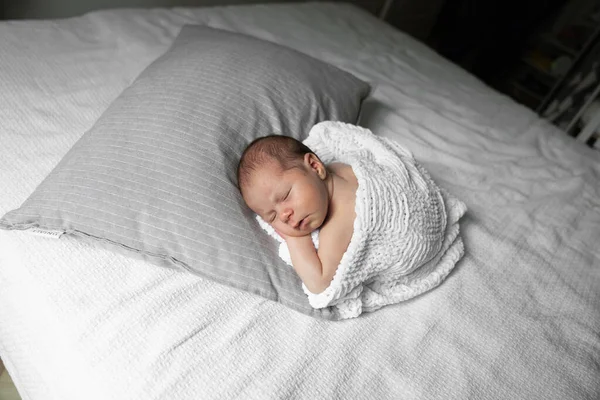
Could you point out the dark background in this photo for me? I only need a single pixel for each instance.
(487, 37)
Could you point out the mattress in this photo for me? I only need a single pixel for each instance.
(519, 316)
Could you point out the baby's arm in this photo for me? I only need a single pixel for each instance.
(307, 263)
(317, 268)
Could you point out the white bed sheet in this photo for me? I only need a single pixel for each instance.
(518, 318)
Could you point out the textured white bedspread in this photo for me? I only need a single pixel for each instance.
(519, 317)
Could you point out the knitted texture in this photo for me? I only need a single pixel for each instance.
(406, 235)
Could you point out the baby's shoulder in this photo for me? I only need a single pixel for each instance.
(344, 171)
(341, 205)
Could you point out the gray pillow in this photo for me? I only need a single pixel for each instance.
(155, 175)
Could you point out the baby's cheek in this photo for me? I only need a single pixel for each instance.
(275, 226)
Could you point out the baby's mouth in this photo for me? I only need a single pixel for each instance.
(296, 225)
(302, 223)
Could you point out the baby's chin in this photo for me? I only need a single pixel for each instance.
(298, 232)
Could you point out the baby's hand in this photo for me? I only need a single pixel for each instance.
(288, 237)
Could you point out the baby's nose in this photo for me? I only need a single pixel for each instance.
(286, 215)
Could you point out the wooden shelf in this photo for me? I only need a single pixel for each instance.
(560, 45)
(527, 91)
(546, 77)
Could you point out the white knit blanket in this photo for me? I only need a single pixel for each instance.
(406, 234)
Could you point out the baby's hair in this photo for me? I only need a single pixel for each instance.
(287, 151)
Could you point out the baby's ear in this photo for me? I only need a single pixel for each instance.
(315, 164)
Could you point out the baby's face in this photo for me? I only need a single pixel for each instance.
(294, 202)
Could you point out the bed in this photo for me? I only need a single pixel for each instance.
(519, 317)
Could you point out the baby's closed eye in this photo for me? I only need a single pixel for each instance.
(286, 195)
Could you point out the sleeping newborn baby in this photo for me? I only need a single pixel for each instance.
(289, 187)
(385, 231)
